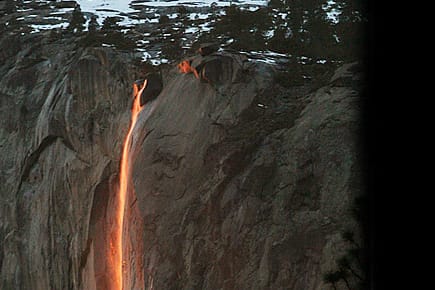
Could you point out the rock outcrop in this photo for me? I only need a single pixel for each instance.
(240, 184)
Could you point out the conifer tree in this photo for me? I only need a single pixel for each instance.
(112, 34)
(92, 37)
(93, 25)
(353, 265)
(77, 22)
(110, 24)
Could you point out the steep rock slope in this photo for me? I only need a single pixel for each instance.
(246, 186)
(236, 185)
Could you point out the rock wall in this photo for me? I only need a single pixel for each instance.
(63, 118)
(244, 186)
(237, 185)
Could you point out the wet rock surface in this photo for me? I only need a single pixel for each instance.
(237, 184)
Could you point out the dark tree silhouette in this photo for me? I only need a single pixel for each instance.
(93, 25)
(164, 19)
(110, 24)
(112, 34)
(305, 30)
(77, 22)
(246, 28)
(295, 27)
(332, 278)
(350, 28)
(172, 50)
(93, 36)
(182, 14)
(353, 265)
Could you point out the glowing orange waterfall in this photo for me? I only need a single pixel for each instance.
(116, 243)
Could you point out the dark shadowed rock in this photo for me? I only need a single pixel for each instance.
(216, 69)
(153, 88)
(208, 48)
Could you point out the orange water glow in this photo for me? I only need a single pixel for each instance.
(185, 68)
(116, 243)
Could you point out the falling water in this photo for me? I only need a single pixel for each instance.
(116, 244)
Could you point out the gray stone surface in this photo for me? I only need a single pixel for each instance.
(238, 196)
(241, 185)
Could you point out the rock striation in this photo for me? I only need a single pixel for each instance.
(237, 184)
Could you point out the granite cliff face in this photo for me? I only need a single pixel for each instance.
(241, 184)
(63, 118)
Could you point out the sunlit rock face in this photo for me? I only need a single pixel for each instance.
(236, 184)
